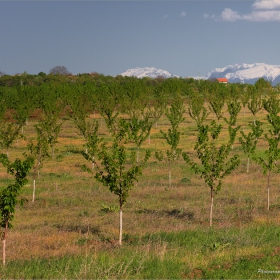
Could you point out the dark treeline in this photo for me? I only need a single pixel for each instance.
(97, 91)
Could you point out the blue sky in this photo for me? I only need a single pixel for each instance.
(186, 38)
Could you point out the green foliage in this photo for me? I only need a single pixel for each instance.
(115, 173)
(233, 108)
(196, 109)
(261, 84)
(50, 124)
(272, 105)
(215, 164)
(92, 140)
(175, 116)
(255, 103)
(244, 97)
(215, 159)
(9, 132)
(39, 149)
(272, 154)
(107, 104)
(8, 197)
(110, 208)
(172, 137)
(249, 141)
(217, 103)
(139, 126)
(268, 161)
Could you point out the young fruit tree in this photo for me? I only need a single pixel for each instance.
(39, 149)
(255, 102)
(249, 141)
(233, 108)
(9, 132)
(107, 106)
(92, 141)
(244, 97)
(172, 136)
(9, 196)
(117, 170)
(87, 128)
(138, 127)
(196, 109)
(216, 105)
(50, 124)
(216, 161)
(268, 161)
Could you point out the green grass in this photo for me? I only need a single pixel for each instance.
(202, 253)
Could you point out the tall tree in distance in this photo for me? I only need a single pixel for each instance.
(59, 70)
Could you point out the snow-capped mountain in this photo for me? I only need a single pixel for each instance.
(247, 73)
(151, 72)
(237, 73)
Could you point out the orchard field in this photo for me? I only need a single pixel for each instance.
(69, 226)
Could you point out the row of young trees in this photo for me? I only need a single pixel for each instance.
(131, 119)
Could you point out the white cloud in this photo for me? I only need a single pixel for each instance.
(230, 15)
(263, 16)
(266, 4)
(183, 14)
(264, 10)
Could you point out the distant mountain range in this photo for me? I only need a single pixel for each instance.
(247, 73)
(150, 72)
(237, 73)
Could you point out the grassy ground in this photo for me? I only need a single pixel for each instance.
(71, 230)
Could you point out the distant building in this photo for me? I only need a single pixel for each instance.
(222, 80)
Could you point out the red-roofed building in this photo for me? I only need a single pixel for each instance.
(222, 80)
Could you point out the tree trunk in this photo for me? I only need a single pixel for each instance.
(211, 207)
(268, 187)
(169, 174)
(120, 235)
(4, 244)
(248, 164)
(138, 152)
(34, 188)
(4, 251)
